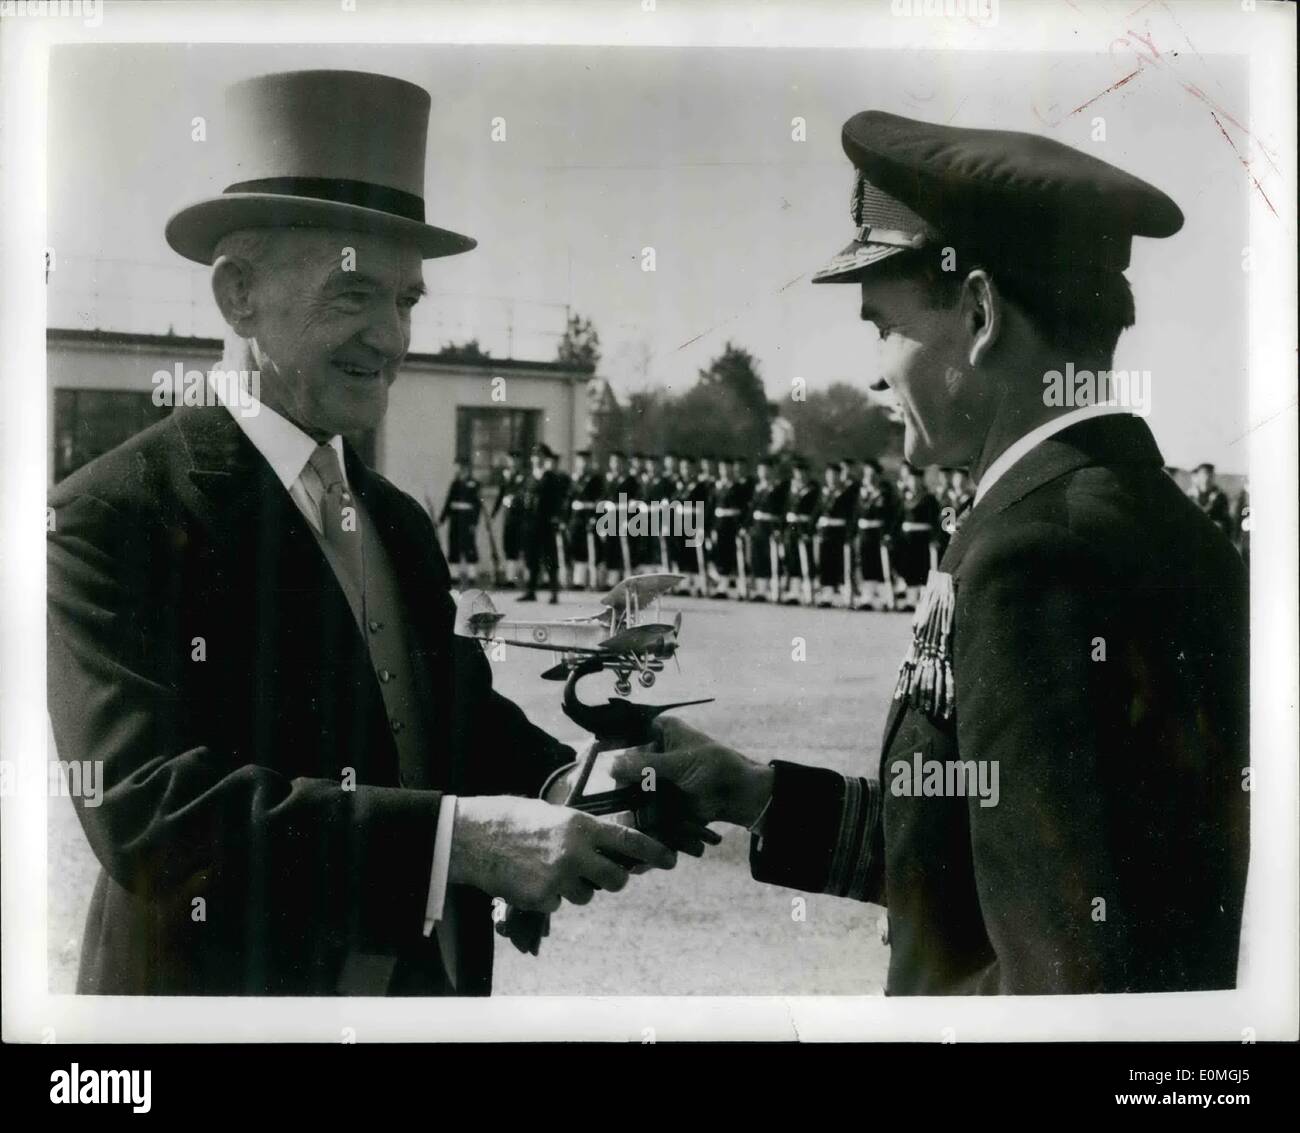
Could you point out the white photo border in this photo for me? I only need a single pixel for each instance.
(1265, 1004)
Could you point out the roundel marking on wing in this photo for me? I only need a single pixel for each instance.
(540, 634)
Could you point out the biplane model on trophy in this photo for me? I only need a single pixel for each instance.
(618, 637)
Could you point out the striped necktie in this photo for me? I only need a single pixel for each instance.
(340, 528)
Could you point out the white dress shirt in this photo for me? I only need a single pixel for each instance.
(287, 449)
(1035, 437)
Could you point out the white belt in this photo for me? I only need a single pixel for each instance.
(767, 517)
(582, 505)
(462, 507)
(870, 524)
(795, 517)
(829, 521)
(726, 512)
(918, 527)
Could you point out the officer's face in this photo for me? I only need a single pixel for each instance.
(328, 342)
(923, 361)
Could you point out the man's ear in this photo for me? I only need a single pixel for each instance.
(981, 314)
(232, 288)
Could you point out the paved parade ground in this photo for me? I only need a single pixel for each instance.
(805, 684)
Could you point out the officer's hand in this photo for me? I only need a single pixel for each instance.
(720, 784)
(534, 854)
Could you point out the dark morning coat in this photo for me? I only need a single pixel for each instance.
(224, 775)
(1120, 780)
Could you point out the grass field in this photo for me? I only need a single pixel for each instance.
(706, 927)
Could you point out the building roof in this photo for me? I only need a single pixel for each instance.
(129, 338)
(67, 335)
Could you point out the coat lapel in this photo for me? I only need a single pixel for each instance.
(266, 551)
(237, 495)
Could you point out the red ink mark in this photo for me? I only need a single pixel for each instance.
(1244, 163)
(1113, 86)
(1151, 47)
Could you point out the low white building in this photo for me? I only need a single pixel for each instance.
(101, 386)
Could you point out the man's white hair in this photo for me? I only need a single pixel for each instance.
(256, 247)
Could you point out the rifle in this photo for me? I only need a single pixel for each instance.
(497, 576)
(887, 569)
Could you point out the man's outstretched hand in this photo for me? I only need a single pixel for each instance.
(720, 784)
(535, 854)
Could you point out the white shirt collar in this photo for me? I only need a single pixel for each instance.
(284, 446)
(1035, 437)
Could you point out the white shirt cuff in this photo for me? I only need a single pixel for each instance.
(441, 863)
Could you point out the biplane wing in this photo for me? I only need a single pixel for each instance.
(639, 639)
(641, 588)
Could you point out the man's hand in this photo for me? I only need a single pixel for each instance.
(721, 784)
(534, 854)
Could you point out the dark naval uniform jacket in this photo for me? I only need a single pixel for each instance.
(1099, 654)
(225, 761)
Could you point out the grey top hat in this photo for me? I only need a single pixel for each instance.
(321, 149)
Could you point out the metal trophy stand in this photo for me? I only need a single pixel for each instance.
(615, 725)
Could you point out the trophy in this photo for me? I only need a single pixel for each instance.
(620, 640)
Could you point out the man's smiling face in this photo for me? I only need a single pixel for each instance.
(922, 360)
(329, 341)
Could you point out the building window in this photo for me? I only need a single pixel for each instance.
(486, 436)
(89, 422)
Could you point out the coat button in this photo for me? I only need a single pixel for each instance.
(397, 726)
(375, 627)
(385, 676)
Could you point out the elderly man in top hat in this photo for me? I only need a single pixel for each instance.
(311, 787)
(1060, 803)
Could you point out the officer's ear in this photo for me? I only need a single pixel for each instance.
(981, 315)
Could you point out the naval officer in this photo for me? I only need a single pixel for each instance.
(1059, 801)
